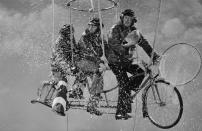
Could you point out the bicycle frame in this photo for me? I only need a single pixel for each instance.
(146, 83)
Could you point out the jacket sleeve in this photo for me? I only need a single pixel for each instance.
(58, 47)
(147, 47)
(115, 41)
(81, 46)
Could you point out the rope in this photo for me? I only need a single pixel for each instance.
(71, 36)
(67, 121)
(117, 10)
(134, 118)
(53, 26)
(53, 36)
(156, 29)
(100, 17)
(92, 5)
(71, 42)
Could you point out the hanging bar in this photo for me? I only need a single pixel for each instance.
(114, 4)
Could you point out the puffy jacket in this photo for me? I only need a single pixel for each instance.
(117, 52)
(61, 50)
(90, 46)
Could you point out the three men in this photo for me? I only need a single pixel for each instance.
(61, 67)
(122, 38)
(90, 47)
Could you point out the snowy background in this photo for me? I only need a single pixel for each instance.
(26, 36)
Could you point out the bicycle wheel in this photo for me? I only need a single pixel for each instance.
(164, 104)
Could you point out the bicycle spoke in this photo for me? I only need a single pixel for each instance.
(167, 115)
(164, 106)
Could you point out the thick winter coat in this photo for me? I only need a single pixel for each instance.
(117, 39)
(90, 46)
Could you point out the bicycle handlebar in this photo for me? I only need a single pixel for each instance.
(147, 67)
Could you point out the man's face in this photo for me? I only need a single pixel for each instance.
(127, 21)
(92, 28)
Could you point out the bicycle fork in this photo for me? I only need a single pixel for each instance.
(156, 96)
(144, 104)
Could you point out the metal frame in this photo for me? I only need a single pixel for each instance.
(198, 52)
(114, 4)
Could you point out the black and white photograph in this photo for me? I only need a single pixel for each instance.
(100, 65)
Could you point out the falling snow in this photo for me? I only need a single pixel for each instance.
(26, 39)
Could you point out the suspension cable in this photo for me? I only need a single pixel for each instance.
(117, 14)
(134, 118)
(67, 121)
(72, 47)
(100, 17)
(156, 29)
(71, 36)
(53, 24)
(117, 10)
(92, 6)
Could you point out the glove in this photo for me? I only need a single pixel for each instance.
(156, 59)
(103, 59)
(103, 67)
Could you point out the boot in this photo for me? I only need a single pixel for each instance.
(59, 109)
(60, 101)
(122, 116)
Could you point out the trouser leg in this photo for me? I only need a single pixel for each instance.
(97, 84)
(91, 67)
(135, 81)
(124, 105)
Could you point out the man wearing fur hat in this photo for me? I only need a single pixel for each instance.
(61, 67)
(90, 47)
(124, 36)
